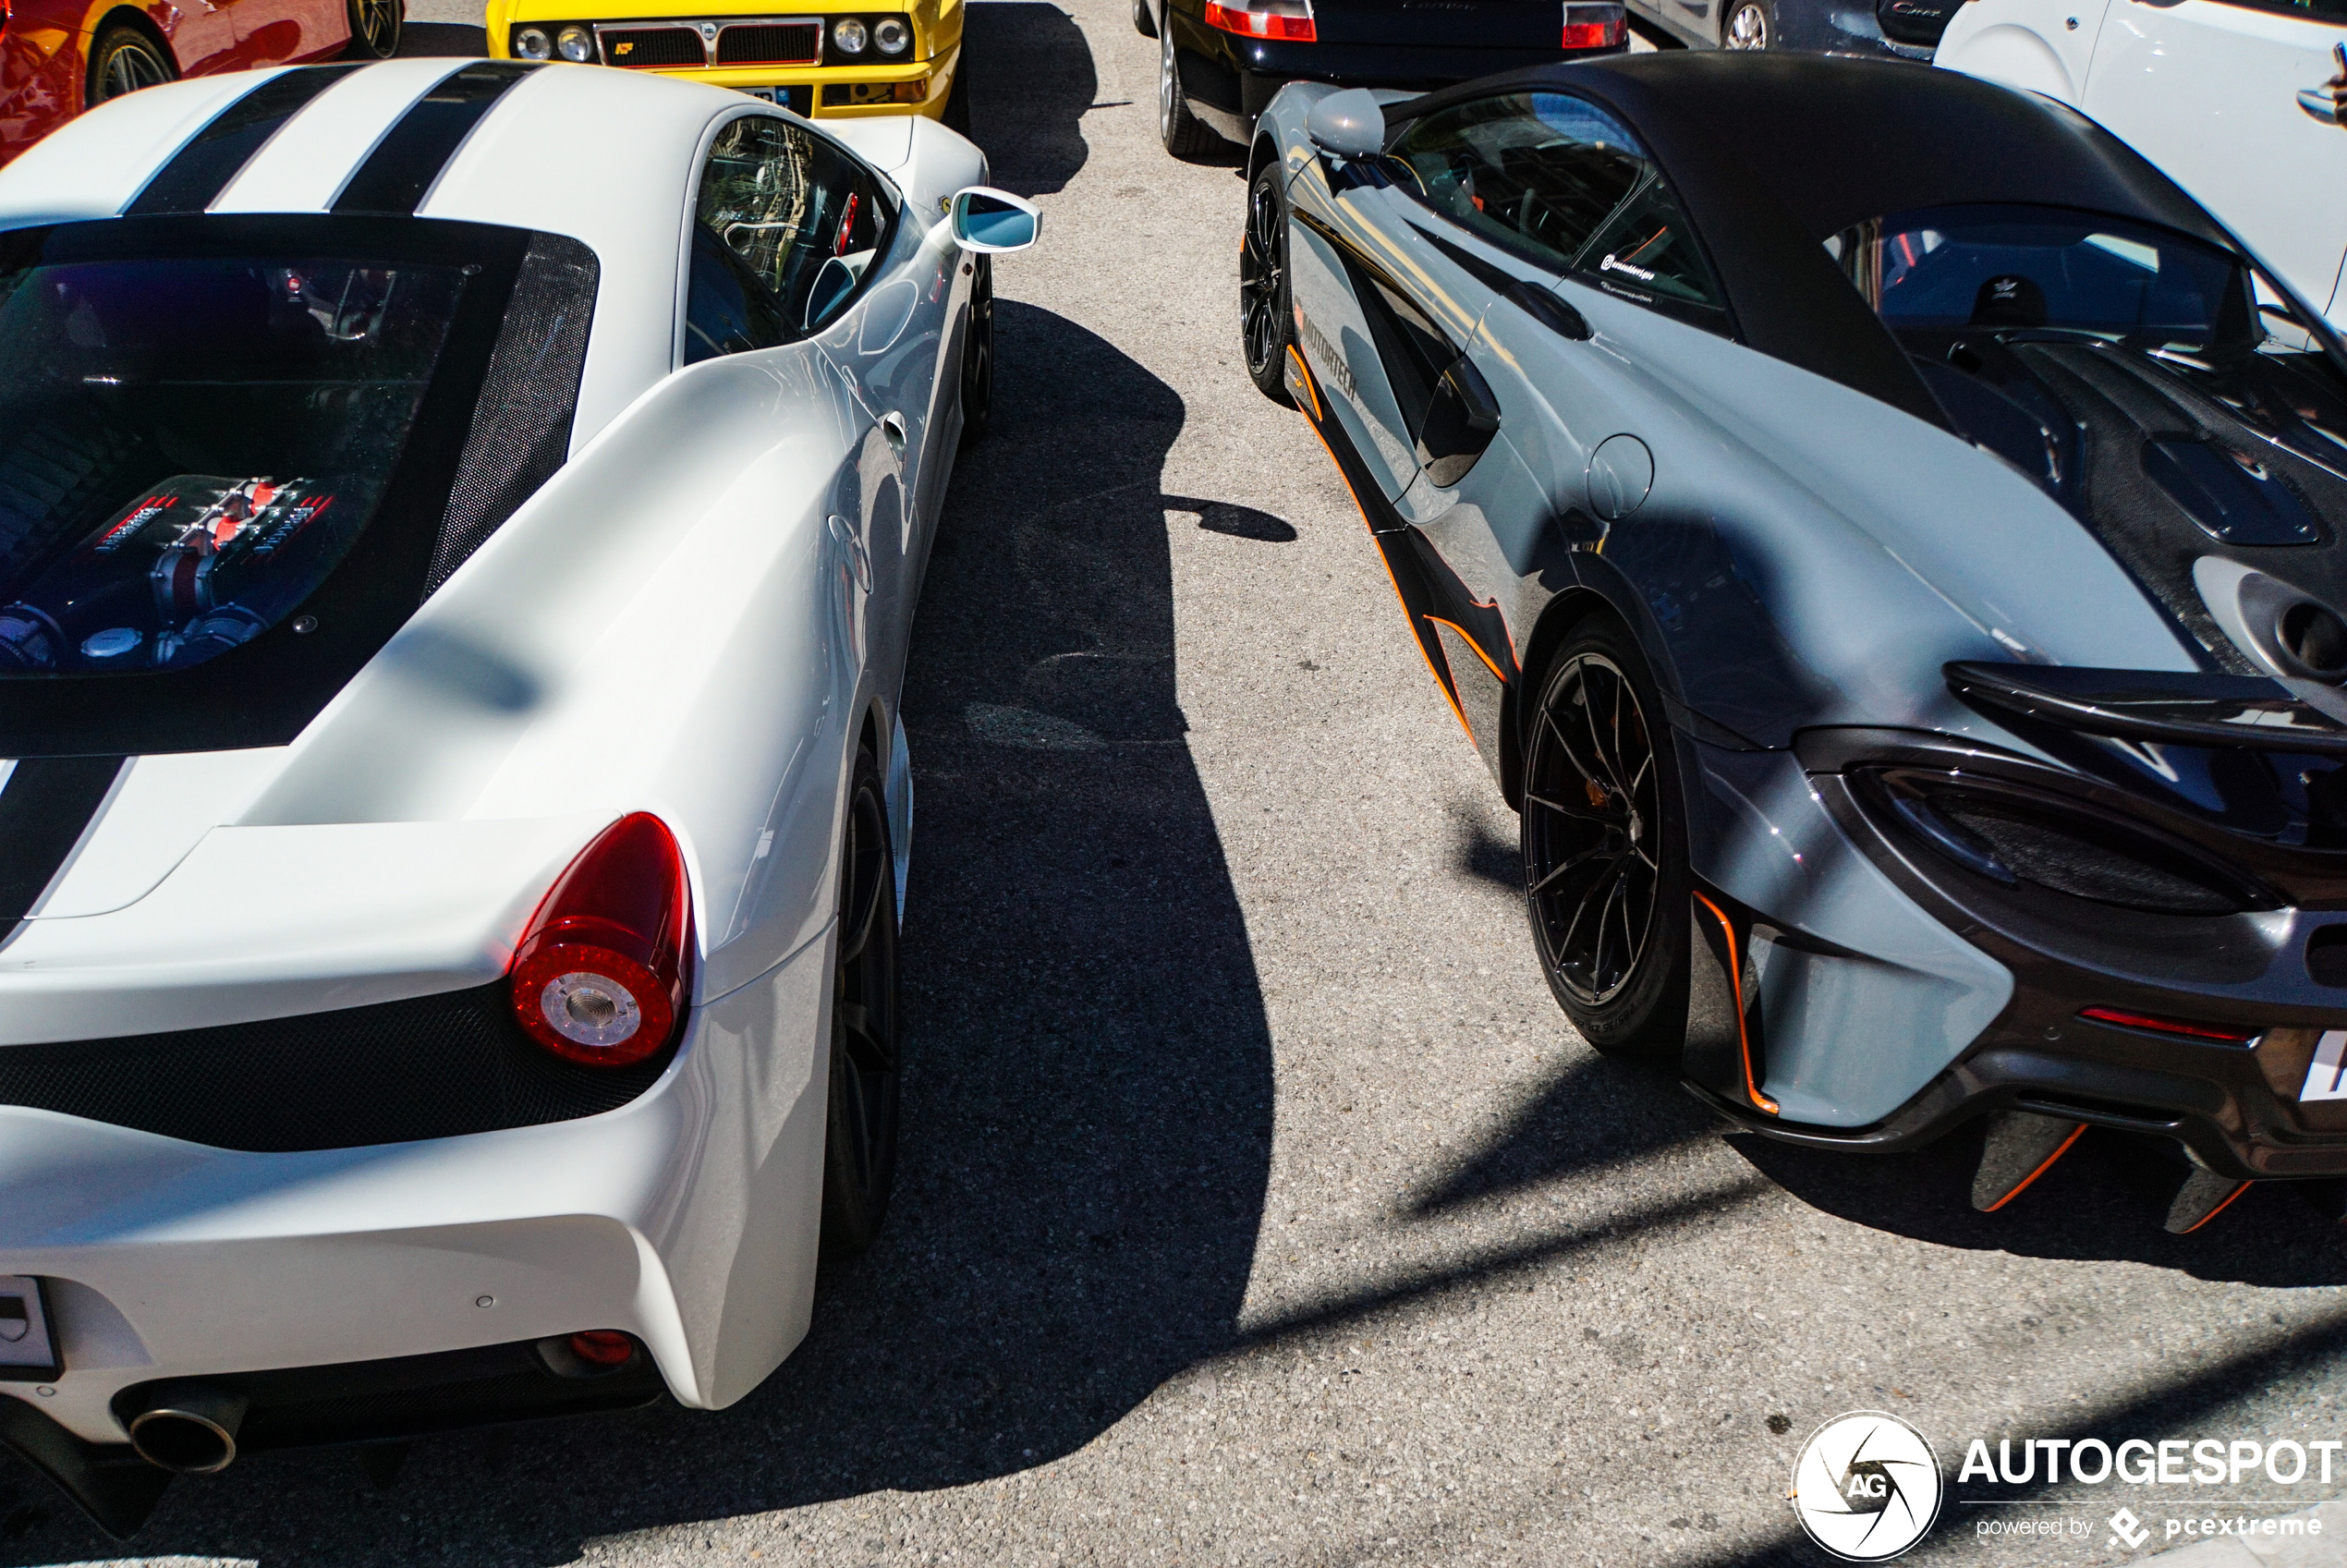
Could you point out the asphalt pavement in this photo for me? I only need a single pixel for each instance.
(1260, 1206)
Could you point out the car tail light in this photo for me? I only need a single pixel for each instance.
(2182, 1028)
(605, 973)
(1591, 25)
(1288, 19)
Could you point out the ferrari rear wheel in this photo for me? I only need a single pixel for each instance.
(124, 60)
(867, 1060)
(375, 28)
(1605, 856)
(978, 355)
(1263, 284)
(1183, 135)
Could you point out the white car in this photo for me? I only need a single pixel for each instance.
(459, 529)
(2238, 103)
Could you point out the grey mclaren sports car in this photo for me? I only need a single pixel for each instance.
(1886, 540)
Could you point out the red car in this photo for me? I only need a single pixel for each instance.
(59, 57)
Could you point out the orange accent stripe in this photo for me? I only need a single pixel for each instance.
(2044, 1165)
(1305, 372)
(1420, 642)
(1471, 643)
(2218, 1210)
(1735, 982)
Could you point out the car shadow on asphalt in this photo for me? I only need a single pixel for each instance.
(1088, 1089)
(2104, 1200)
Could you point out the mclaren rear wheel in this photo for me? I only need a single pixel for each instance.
(375, 28)
(1264, 309)
(124, 60)
(866, 1061)
(1185, 135)
(1605, 853)
(978, 355)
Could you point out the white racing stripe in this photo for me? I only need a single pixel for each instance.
(305, 164)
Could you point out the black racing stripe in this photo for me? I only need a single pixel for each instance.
(202, 170)
(45, 806)
(403, 166)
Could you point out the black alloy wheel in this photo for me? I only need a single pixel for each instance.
(1183, 134)
(123, 61)
(860, 1125)
(1605, 869)
(1144, 23)
(1748, 26)
(1264, 308)
(375, 28)
(978, 355)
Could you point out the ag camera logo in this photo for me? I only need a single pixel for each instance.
(1866, 1487)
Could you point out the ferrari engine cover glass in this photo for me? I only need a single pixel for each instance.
(198, 442)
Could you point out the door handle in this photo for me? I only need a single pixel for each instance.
(2328, 101)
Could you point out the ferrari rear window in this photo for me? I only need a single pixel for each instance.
(188, 446)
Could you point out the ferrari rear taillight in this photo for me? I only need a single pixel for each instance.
(1287, 20)
(604, 973)
(1594, 24)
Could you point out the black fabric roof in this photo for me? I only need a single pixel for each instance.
(1773, 154)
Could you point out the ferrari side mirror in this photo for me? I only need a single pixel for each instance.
(1348, 125)
(992, 221)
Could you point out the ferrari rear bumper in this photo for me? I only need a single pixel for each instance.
(396, 1268)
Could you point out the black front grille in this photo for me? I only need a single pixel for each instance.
(771, 44)
(649, 48)
(435, 1066)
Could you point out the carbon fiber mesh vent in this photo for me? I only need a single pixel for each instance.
(521, 433)
(435, 1066)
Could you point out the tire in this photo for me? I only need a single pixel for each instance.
(978, 356)
(125, 59)
(1748, 25)
(1144, 23)
(375, 26)
(1605, 840)
(1265, 312)
(1183, 134)
(867, 1055)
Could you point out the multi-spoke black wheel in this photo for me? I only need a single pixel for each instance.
(375, 28)
(978, 353)
(1604, 847)
(859, 1143)
(124, 60)
(1263, 286)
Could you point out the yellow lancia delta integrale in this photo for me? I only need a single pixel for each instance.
(821, 64)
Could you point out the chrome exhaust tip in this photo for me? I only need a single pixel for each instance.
(189, 1430)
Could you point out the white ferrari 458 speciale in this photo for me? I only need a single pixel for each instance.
(459, 529)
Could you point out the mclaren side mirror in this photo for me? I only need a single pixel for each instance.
(1348, 125)
(991, 221)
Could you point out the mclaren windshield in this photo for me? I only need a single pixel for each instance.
(192, 443)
